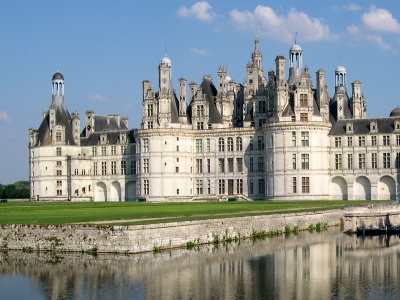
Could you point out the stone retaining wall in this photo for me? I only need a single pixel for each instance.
(143, 238)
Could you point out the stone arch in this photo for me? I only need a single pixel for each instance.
(100, 192)
(130, 190)
(338, 189)
(115, 191)
(362, 188)
(386, 188)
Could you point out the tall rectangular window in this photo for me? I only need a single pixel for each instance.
(200, 125)
(261, 186)
(230, 164)
(361, 141)
(350, 141)
(145, 145)
(145, 165)
(294, 161)
(261, 107)
(239, 186)
(123, 149)
(221, 186)
(239, 164)
(251, 147)
(208, 145)
(199, 187)
(103, 168)
(58, 136)
(305, 185)
(251, 186)
(338, 141)
(113, 150)
(397, 162)
(146, 187)
(208, 165)
(361, 161)
(386, 140)
(373, 140)
(251, 165)
(338, 161)
(350, 161)
(305, 138)
(133, 167)
(239, 144)
(199, 145)
(374, 160)
(208, 186)
(305, 161)
(386, 160)
(261, 164)
(103, 150)
(200, 110)
(94, 151)
(221, 165)
(95, 168)
(150, 110)
(199, 165)
(123, 167)
(221, 144)
(303, 100)
(113, 168)
(230, 144)
(294, 185)
(260, 143)
(58, 151)
(398, 139)
(294, 138)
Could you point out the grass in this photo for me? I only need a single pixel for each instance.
(126, 213)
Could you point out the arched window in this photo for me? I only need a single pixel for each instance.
(230, 144)
(239, 146)
(221, 145)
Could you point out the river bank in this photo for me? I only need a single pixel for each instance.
(155, 237)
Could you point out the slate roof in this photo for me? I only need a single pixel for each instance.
(113, 137)
(362, 126)
(209, 89)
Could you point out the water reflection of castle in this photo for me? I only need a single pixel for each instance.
(309, 266)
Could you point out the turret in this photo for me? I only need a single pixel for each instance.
(358, 101)
(76, 127)
(295, 64)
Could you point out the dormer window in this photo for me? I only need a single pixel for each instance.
(373, 126)
(349, 127)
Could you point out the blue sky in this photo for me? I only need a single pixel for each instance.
(105, 49)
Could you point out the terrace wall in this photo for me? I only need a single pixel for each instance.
(143, 238)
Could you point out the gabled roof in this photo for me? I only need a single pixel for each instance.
(209, 89)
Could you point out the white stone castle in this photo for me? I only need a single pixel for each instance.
(273, 137)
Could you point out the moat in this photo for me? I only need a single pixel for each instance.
(325, 265)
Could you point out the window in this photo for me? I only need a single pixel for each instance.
(199, 187)
(386, 160)
(239, 164)
(230, 164)
(294, 185)
(338, 141)
(200, 125)
(294, 161)
(123, 167)
(251, 144)
(59, 173)
(338, 161)
(59, 183)
(145, 145)
(221, 186)
(230, 144)
(103, 151)
(260, 143)
(58, 163)
(251, 186)
(208, 145)
(374, 160)
(294, 138)
(58, 151)
(261, 164)
(386, 140)
(305, 138)
(361, 161)
(305, 161)
(146, 187)
(113, 168)
(103, 168)
(303, 117)
(123, 149)
(94, 151)
(303, 100)
(145, 165)
(398, 139)
(199, 165)
(199, 145)
(397, 162)
(113, 150)
(373, 140)
(239, 145)
(132, 167)
(305, 185)
(95, 168)
(239, 186)
(361, 141)
(208, 165)
(251, 165)
(200, 110)
(176, 169)
(150, 110)
(59, 192)
(261, 186)
(350, 161)
(221, 166)
(58, 136)
(76, 172)
(261, 107)
(208, 186)
(221, 145)
(150, 125)
(350, 141)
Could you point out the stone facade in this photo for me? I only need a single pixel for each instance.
(272, 137)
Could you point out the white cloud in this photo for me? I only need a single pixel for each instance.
(200, 10)
(380, 19)
(354, 30)
(378, 40)
(265, 21)
(198, 51)
(4, 117)
(352, 7)
(98, 98)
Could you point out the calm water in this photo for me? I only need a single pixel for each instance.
(327, 265)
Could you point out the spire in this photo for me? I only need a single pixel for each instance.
(256, 56)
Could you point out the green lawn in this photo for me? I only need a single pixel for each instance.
(145, 213)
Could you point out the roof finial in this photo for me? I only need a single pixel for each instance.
(295, 38)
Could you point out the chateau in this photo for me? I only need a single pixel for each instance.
(274, 136)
